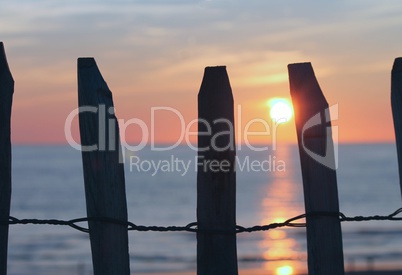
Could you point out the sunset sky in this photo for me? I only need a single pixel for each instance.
(153, 54)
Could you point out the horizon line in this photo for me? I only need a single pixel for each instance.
(52, 143)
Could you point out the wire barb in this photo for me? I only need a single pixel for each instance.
(193, 227)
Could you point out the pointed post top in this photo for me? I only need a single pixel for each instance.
(2, 51)
(397, 65)
(305, 90)
(216, 68)
(86, 62)
(302, 76)
(300, 70)
(300, 64)
(4, 68)
(93, 89)
(216, 82)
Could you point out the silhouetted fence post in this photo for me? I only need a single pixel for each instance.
(396, 102)
(313, 126)
(6, 99)
(216, 176)
(103, 171)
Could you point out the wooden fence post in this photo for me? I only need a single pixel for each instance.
(103, 171)
(216, 176)
(396, 103)
(6, 99)
(313, 126)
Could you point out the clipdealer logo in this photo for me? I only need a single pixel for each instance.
(330, 158)
(107, 138)
(175, 164)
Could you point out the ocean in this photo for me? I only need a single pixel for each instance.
(48, 183)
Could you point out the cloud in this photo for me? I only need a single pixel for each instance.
(138, 39)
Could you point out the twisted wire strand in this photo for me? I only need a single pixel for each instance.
(193, 226)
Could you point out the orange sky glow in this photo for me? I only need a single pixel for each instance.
(153, 54)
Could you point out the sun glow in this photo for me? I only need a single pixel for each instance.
(280, 110)
(284, 270)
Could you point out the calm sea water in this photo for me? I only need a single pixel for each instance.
(48, 183)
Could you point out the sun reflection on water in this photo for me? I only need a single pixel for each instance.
(280, 248)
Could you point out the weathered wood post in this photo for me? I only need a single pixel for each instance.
(6, 99)
(216, 176)
(103, 171)
(318, 164)
(396, 103)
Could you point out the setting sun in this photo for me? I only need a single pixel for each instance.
(284, 270)
(280, 110)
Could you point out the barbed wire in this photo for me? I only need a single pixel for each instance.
(193, 227)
